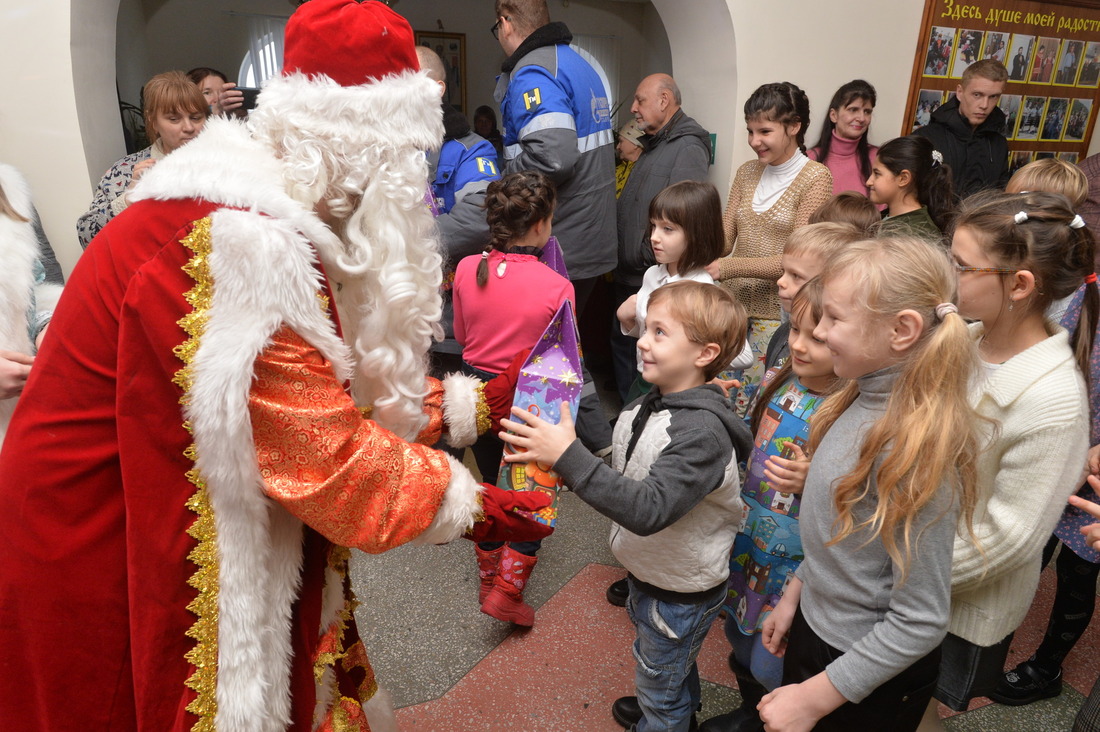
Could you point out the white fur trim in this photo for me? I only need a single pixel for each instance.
(18, 252)
(460, 397)
(264, 277)
(459, 510)
(380, 714)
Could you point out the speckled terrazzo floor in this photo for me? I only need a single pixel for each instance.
(449, 667)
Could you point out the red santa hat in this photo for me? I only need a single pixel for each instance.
(348, 41)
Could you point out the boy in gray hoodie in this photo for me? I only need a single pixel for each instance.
(674, 492)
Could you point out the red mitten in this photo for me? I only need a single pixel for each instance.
(500, 391)
(503, 523)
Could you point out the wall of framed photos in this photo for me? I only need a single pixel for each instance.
(1051, 51)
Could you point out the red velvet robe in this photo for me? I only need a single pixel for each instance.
(95, 553)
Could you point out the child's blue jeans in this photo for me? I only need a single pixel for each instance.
(750, 653)
(668, 638)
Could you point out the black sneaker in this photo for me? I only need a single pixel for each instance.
(628, 713)
(1025, 684)
(617, 592)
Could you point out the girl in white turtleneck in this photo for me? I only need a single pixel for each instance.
(770, 197)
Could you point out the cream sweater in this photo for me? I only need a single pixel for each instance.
(1032, 464)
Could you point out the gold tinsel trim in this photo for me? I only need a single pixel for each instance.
(483, 421)
(204, 655)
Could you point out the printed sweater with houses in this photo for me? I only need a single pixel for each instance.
(673, 491)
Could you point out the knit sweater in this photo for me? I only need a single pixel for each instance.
(1034, 462)
(852, 596)
(755, 241)
(843, 164)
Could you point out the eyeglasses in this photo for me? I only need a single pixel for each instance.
(984, 270)
(495, 29)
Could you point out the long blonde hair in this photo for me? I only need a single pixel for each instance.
(929, 434)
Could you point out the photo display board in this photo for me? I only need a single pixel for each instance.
(1051, 51)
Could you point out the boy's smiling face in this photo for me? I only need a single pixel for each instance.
(798, 269)
(670, 360)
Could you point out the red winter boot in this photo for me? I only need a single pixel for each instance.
(505, 599)
(487, 562)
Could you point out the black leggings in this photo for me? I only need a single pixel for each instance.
(1074, 603)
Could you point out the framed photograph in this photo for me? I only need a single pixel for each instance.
(1078, 121)
(1018, 159)
(1069, 157)
(1069, 62)
(996, 45)
(1054, 121)
(1031, 116)
(451, 47)
(1042, 66)
(927, 103)
(941, 41)
(1010, 105)
(1021, 49)
(1090, 69)
(968, 49)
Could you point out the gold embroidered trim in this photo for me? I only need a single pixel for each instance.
(204, 655)
(483, 421)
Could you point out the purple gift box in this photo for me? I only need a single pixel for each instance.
(550, 375)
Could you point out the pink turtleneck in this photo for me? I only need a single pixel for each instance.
(844, 164)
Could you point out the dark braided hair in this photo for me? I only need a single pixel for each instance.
(513, 205)
(781, 102)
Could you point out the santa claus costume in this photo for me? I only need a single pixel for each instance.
(187, 469)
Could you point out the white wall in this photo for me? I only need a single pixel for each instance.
(60, 122)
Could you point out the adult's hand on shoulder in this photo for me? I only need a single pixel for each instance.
(15, 367)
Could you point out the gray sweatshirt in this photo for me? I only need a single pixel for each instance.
(851, 596)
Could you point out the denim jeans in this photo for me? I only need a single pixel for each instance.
(750, 653)
(667, 642)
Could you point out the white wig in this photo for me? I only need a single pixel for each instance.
(359, 153)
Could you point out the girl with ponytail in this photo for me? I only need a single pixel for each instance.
(770, 197)
(503, 300)
(1016, 254)
(910, 178)
(893, 466)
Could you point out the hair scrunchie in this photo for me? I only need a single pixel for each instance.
(1020, 217)
(1077, 222)
(944, 309)
(1091, 279)
(937, 158)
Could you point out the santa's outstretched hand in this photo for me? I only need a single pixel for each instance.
(502, 520)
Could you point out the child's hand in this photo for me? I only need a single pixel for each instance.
(726, 385)
(778, 623)
(788, 476)
(714, 270)
(1094, 460)
(798, 707)
(1092, 531)
(628, 313)
(539, 440)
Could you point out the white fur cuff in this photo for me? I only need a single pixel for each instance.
(460, 397)
(459, 510)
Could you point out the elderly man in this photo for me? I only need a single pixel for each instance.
(674, 148)
(187, 470)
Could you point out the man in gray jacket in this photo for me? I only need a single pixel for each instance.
(675, 148)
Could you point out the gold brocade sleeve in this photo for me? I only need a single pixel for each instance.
(433, 410)
(356, 483)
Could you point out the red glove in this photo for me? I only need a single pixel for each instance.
(502, 522)
(500, 391)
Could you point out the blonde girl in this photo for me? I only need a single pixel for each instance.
(893, 464)
(1015, 254)
(770, 197)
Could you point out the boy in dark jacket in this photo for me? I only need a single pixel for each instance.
(674, 492)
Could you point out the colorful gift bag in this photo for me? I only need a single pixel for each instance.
(553, 257)
(550, 375)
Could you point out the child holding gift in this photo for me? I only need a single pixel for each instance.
(673, 494)
(503, 300)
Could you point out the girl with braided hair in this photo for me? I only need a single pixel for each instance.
(770, 197)
(503, 300)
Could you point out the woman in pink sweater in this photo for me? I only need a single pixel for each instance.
(843, 146)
